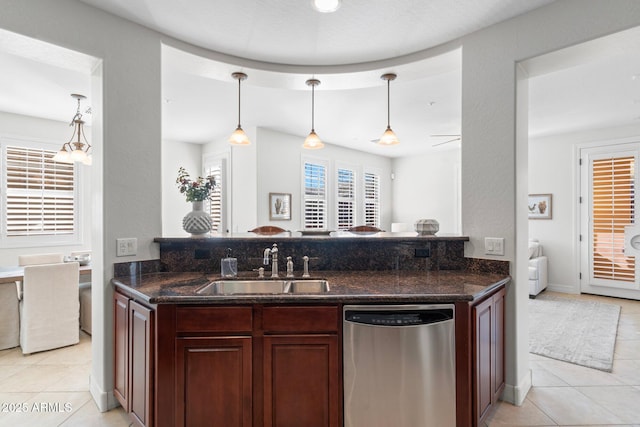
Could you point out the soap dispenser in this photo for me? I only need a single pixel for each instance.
(229, 265)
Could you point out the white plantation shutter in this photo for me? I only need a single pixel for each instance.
(39, 193)
(214, 205)
(315, 196)
(613, 208)
(346, 198)
(372, 199)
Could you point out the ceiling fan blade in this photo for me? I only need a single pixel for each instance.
(446, 142)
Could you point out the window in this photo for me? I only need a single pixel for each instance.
(372, 199)
(613, 209)
(315, 196)
(216, 167)
(39, 195)
(346, 198)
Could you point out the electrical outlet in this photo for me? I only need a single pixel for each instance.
(494, 245)
(126, 246)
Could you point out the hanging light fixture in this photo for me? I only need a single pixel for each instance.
(388, 137)
(74, 150)
(238, 137)
(313, 142)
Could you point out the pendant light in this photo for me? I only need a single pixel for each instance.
(326, 6)
(388, 137)
(238, 137)
(313, 142)
(74, 150)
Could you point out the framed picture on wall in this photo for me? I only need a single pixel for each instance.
(280, 206)
(539, 206)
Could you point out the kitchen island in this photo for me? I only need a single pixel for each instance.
(183, 358)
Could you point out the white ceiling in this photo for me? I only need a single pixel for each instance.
(594, 87)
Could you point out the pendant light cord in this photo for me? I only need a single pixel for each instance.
(388, 104)
(313, 103)
(239, 80)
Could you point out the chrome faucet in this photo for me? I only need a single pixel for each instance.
(274, 259)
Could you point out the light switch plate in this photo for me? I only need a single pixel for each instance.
(126, 246)
(494, 245)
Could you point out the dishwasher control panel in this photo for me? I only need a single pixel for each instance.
(398, 318)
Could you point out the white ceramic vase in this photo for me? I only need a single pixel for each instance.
(426, 227)
(197, 222)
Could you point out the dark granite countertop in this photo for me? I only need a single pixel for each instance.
(350, 287)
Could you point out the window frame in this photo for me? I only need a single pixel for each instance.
(220, 160)
(36, 240)
(354, 199)
(327, 193)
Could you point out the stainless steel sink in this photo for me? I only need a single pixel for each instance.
(310, 286)
(298, 286)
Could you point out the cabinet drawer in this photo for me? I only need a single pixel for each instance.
(214, 319)
(300, 319)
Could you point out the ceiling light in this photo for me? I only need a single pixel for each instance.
(388, 137)
(238, 137)
(74, 150)
(312, 142)
(326, 6)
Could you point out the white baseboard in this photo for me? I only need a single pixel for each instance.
(567, 289)
(105, 400)
(516, 394)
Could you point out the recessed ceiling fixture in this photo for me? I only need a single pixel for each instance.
(238, 137)
(74, 150)
(388, 137)
(326, 6)
(313, 142)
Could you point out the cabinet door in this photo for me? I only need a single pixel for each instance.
(213, 380)
(121, 349)
(301, 381)
(484, 354)
(498, 335)
(140, 364)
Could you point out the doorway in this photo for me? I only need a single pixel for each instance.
(608, 177)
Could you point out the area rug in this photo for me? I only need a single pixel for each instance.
(576, 331)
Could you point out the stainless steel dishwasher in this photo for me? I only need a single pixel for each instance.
(399, 366)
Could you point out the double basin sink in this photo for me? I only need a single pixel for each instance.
(265, 286)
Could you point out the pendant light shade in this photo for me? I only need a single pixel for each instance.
(313, 142)
(388, 137)
(238, 137)
(77, 149)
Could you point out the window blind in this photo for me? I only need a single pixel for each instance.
(372, 199)
(613, 208)
(40, 193)
(346, 198)
(214, 205)
(315, 196)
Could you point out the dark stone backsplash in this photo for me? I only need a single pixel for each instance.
(326, 254)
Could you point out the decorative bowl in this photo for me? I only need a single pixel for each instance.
(427, 227)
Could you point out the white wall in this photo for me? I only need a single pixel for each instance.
(428, 186)
(174, 205)
(280, 158)
(49, 131)
(553, 169)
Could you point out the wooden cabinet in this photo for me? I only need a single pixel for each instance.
(133, 348)
(479, 358)
(251, 365)
(302, 381)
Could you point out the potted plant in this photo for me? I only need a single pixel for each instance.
(197, 222)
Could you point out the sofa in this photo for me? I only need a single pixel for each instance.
(538, 275)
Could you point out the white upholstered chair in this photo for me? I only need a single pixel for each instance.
(49, 307)
(538, 275)
(39, 259)
(9, 316)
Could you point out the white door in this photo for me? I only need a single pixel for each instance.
(607, 212)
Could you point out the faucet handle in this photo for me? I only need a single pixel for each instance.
(306, 266)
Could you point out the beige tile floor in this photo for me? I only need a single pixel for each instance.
(565, 394)
(51, 389)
